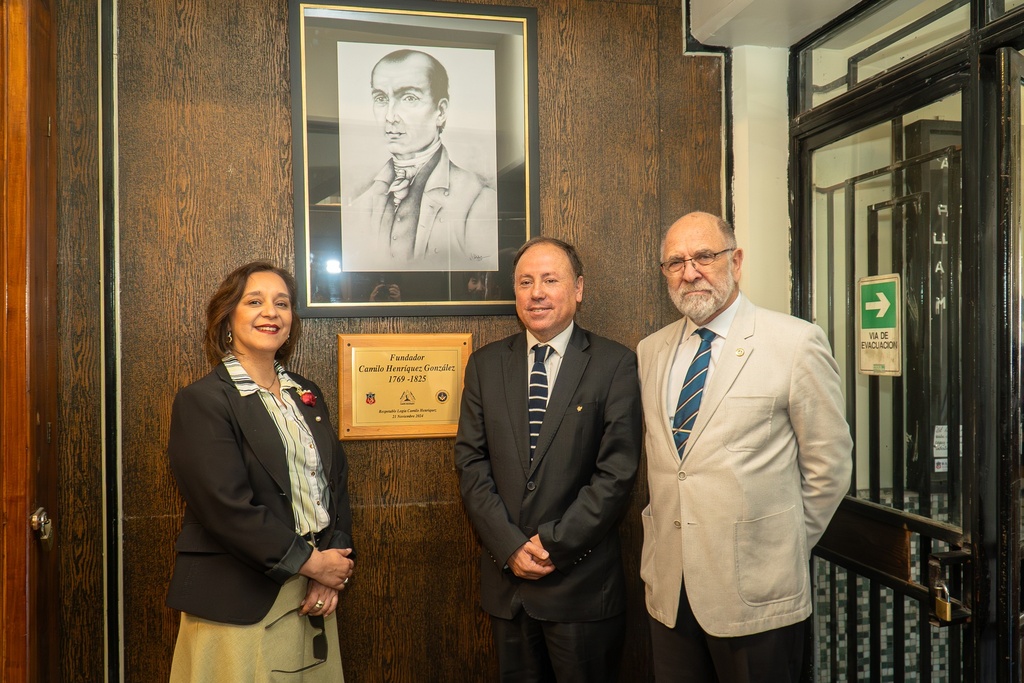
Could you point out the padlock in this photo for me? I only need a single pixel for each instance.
(943, 606)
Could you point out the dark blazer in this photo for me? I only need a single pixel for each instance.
(575, 491)
(238, 544)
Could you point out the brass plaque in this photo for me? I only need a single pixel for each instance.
(401, 386)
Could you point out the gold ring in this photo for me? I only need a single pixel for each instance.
(319, 604)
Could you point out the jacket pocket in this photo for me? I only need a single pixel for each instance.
(647, 553)
(771, 563)
(751, 420)
(195, 539)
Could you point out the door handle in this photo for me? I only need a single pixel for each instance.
(43, 526)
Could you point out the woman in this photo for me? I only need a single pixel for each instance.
(266, 543)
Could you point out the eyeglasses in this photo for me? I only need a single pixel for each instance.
(319, 641)
(705, 258)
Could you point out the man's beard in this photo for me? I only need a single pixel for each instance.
(700, 309)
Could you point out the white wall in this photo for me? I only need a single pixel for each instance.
(760, 149)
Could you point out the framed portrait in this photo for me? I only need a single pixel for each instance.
(415, 156)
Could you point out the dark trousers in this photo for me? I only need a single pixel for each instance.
(686, 654)
(535, 651)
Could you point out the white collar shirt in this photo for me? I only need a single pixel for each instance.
(687, 349)
(553, 362)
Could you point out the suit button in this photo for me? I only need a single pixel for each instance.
(682, 476)
(677, 524)
(530, 486)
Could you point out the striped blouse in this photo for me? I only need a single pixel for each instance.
(309, 491)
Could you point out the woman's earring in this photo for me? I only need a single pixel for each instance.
(229, 337)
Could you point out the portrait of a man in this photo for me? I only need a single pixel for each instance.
(419, 210)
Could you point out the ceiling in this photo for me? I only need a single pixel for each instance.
(768, 23)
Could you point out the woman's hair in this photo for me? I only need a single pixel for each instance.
(224, 301)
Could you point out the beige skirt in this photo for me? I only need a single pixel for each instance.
(271, 651)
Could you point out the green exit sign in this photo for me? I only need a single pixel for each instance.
(879, 344)
(878, 304)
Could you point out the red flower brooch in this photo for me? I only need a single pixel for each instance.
(307, 397)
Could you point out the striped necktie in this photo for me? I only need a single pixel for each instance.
(538, 393)
(693, 387)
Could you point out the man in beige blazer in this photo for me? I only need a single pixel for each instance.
(741, 491)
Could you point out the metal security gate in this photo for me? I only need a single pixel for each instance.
(898, 542)
(918, 179)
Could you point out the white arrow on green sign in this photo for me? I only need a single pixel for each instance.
(879, 346)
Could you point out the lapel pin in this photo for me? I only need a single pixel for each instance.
(579, 409)
(317, 418)
(739, 352)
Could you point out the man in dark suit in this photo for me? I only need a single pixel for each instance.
(547, 451)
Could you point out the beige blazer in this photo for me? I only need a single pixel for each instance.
(763, 471)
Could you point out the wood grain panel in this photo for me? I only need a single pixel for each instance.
(877, 545)
(205, 185)
(79, 420)
(30, 590)
(601, 178)
(690, 171)
(412, 582)
(150, 628)
(630, 137)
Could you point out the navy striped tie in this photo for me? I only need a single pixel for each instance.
(693, 387)
(538, 393)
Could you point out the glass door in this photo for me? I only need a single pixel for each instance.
(886, 207)
(913, 266)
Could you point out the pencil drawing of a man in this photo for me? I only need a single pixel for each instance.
(421, 211)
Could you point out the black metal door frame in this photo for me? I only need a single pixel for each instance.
(988, 544)
(992, 402)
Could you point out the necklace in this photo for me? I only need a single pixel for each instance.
(269, 387)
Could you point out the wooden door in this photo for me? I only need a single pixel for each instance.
(28, 372)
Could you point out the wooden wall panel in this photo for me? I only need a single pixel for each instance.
(630, 132)
(599, 179)
(205, 185)
(79, 530)
(690, 95)
(599, 106)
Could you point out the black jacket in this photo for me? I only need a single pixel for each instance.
(574, 492)
(238, 544)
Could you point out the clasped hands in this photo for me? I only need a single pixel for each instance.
(531, 561)
(328, 572)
